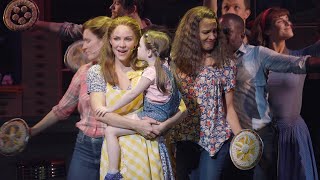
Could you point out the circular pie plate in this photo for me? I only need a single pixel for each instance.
(74, 56)
(14, 136)
(20, 15)
(246, 149)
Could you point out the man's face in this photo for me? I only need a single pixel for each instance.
(233, 34)
(235, 7)
(117, 9)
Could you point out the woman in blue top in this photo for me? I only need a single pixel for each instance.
(296, 159)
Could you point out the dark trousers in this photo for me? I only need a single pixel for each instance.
(267, 167)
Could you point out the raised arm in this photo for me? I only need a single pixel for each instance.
(66, 31)
(212, 4)
(277, 62)
(48, 26)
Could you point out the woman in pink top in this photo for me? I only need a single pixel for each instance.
(85, 161)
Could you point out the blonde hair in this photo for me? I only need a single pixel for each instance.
(98, 25)
(107, 60)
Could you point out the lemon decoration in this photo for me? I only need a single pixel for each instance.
(246, 149)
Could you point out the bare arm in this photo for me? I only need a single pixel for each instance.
(169, 123)
(162, 128)
(232, 116)
(97, 100)
(48, 26)
(46, 122)
(212, 4)
(142, 127)
(142, 85)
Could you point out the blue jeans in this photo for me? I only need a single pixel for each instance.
(193, 162)
(85, 162)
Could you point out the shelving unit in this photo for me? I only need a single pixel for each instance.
(10, 101)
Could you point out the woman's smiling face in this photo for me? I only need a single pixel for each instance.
(123, 42)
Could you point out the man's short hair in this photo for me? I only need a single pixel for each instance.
(129, 5)
(237, 20)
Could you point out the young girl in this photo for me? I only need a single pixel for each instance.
(161, 98)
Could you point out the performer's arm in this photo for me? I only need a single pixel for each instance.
(48, 26)
(142, 85)
(212, 4)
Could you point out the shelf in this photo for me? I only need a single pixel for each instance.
(11, 89)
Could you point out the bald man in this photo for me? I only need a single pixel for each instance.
(250, 96)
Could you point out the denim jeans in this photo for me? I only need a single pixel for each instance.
(85, 162)
(193, 162)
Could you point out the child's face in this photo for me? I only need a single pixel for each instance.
(143, 52)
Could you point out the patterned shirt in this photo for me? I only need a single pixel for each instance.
(206, 121)
(76, 95)
(250, 96)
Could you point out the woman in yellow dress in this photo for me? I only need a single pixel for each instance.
(117, 72)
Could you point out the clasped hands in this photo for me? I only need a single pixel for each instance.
(146, 127)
